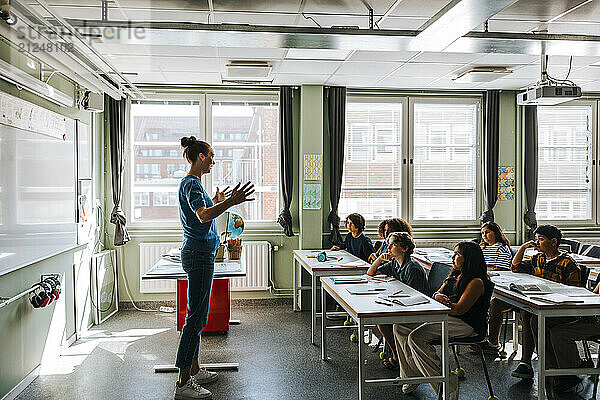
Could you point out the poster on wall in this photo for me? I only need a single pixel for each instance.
(506, 183)
(312, 167)
(311, 196)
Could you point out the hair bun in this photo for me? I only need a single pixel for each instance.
(186, 141)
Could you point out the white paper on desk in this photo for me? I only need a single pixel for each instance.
(573, 291)
(556, 298)
(390, 297)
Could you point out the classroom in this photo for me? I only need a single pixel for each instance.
(299, 199)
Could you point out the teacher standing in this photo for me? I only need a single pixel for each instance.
(197, 212)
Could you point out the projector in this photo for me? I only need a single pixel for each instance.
(548, 95)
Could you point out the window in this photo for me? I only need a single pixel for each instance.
(445, 161)
(245, 141)
(565, 162)
(433, 149)
(158, 163)
(371, 183)
(244, 133)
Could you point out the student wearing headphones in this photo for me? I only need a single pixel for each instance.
(197, 212)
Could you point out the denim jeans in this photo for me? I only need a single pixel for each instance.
(199, 266)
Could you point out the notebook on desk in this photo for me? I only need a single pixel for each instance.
(530, 289)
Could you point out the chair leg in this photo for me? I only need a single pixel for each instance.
(596, 376)
(455, 356)
(485, 370)
(504, 329)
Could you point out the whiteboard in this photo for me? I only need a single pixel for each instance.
(37, 187)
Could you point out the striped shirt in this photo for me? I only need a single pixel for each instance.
(562, 269)
(497, 255)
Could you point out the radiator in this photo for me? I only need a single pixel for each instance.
(256, 256)
(149, 254)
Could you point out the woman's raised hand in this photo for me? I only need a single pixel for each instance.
(239, 195)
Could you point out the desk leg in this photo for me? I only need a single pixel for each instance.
(323, 327)
(313, 310)
(294, 287)
(361, 344)
(541, 356)
(445, 363)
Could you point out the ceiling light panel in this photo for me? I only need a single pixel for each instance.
(482, 74)
(317, 54)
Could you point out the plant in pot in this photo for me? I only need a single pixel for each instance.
(234, 248)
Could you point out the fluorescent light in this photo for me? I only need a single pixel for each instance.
(14, 75)
(482, 74)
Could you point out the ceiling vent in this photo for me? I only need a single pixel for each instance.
(482, 74)
(247, 70)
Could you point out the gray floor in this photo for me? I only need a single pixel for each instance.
(273, 349)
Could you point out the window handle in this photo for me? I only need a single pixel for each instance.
(404, 161)
(411, 161)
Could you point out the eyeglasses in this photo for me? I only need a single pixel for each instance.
(456, 254)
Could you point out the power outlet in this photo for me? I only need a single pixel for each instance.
(275, 248)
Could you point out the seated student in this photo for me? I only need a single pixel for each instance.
(467, 291)
(561, 349)
(382, 232)
(355, 242)
(398, 263)
(389, 226)
(495, 246)
(550, 264)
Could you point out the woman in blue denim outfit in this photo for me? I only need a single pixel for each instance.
(197, 212)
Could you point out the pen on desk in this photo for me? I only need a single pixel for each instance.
(395, 293)
(381, 302)
(377, 279)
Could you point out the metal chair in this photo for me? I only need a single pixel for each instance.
(572, 243)
(590, 250)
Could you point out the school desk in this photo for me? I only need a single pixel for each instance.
(341, 263)
(365, 311)
(543, 310)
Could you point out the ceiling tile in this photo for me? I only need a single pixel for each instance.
(586, 73)
(506, 83)
(297, 79)
(163, 50)
(428, 70)
(236, 53)
(356, 81)
(317, 54)
(367, 68)
(121, 49)
(134, 63)
(507, 59)
(404, 82)
(308, 67)
(263, 18)
(147, 77)
(193, 78)
(439, 57)
(364, 55)
(185, 64)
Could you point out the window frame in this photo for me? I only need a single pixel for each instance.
(594, 219)
(129, 171)
(479, 196)
(407, 154)
(403, 100)
(240, 98)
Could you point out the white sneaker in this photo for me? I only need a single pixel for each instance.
(203, 376)
(191, 391)
(409, 387)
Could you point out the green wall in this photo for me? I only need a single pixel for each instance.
(26, 332)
